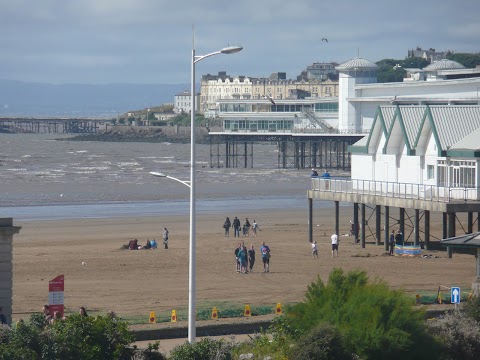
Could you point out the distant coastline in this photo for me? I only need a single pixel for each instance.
(153, 134)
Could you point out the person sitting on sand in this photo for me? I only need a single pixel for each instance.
(133, 244)
(153, 244)
(148, 245)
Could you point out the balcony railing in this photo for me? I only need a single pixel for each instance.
(396, 190)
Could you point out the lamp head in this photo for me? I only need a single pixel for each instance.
(231, 49)
(159, 174)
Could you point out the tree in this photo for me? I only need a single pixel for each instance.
(467, 60)
(374, 321)
(76, 337)
(388, 71)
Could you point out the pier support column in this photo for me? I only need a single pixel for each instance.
(355, 222)
(310, 220)
(337, 219)
(402, 222)
(469, 222)
(363, 226)
(245, 155)
(416, 239)
(444, 225)
(386, 223)
(451, 224)
(378, 223)
(7, 230)
(427, 229)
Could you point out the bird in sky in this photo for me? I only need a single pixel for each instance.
(270, 98)
(325, 39)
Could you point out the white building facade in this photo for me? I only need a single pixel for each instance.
(183, 102)
(448, 83)
(429, 151)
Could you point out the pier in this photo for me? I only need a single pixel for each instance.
(52, 125)
(295, 150)
(418, 199)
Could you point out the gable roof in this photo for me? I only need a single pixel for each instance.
(455, 128)
(453, 123)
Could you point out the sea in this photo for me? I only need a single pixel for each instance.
(49, 177)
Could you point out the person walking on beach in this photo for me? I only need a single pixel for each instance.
(251, 257)
(391, 243)
(334, 245)
(227, 225)
(247, 227)
(265, 251)
(242, 259)
(165, 237)
(236, 227)
(314, 249)
(255, 228)
(237, 256)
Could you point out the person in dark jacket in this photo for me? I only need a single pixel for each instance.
(399, 238)
(251, 257)
(227, 225)
(391, 243)
(236, 227)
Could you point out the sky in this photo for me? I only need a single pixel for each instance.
(150, 41)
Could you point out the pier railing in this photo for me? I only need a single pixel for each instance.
(396, 190)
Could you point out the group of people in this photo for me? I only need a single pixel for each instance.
(394, 239)
(150, 244)
(237, 227)
(245, 259)
(334, 239)
(57, 315)
(325, 174)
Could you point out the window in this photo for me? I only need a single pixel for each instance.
(462, 174)
(441, 173)
(430, 172)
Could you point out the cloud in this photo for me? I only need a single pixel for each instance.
(150, 40)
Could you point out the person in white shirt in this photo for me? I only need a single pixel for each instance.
(314, 250)
(334, 245)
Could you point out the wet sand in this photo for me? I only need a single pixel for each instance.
(137, 282)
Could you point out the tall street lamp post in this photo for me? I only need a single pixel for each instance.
(191, 185)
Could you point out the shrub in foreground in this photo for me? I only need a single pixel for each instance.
(374, 321)
(205, 349)
(76, 337)
(323, 342)
(459, 335)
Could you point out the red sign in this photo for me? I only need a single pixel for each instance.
(55, 295)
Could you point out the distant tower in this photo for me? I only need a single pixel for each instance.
(351, 73)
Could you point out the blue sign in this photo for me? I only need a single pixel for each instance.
(455, 295)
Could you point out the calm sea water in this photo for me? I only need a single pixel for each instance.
(42, 178)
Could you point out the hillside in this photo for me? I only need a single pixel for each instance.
(40, 99)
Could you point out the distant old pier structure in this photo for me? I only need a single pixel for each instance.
(52, 125)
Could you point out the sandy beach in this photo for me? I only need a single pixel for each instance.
(137, 282)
